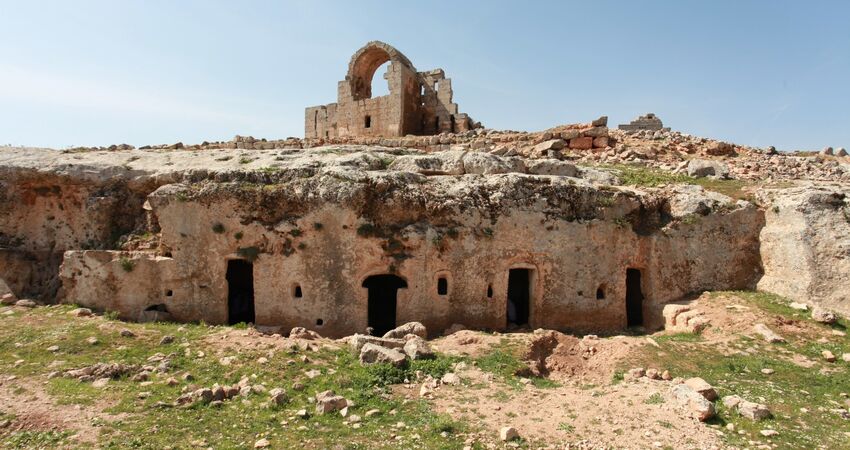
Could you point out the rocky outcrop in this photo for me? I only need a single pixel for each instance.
(805, 245)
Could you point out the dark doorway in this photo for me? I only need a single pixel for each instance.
(634, 298)
(518, 296)
(383, 293)
(240, 291)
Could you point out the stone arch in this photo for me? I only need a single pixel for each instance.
(366, 61)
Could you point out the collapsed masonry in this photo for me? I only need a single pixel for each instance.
(418, 103)
(648, 122)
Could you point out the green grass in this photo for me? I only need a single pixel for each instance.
(239, 422)
(504, 360)
(790, 388)
(648, 177)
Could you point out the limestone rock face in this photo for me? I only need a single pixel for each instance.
(805, 245)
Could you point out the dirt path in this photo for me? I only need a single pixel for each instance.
(34, 410)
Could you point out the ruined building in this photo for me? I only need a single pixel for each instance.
(419, 103)
(649, 122)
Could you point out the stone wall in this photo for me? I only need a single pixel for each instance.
(418, 103)
(646, 122)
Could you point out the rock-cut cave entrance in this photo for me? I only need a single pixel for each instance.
(383, 296)
(519, 296)
(634, 298)
(240, 291)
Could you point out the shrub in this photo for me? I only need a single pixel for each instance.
(127, 264)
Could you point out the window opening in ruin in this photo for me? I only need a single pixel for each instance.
(320, 322)
(383, 293)
(519, 295)
(489, 291)
(316, 121)
(442, 286)
(240, 291)
(380, 83)
(327, 134)
(634, 298)
(436, 86)
(452, 120)
(169, 293)
(437, 124)
(600, 292)
(297, 291)
(368, 122)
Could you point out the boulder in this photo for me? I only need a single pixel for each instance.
(767, 334)
(26, 303)
(508, 434)
(357, 341)
(80, 312)
(719, 148)
(827, 151)
(840, 151)
(372, 353)
(823, 315)
(418, 348)
(328, 401)
(548, 148)
(707, 168)
(694, 401)
(8, 299)
(753, 411)
(409, 328)
(701, 386)
(303, 333)
(581, 143)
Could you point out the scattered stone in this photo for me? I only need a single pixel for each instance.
(768, 334)
(303, 333)
(277, 396)
(767, 371)
(418, 348)
(371, 353)
(694, 401)
(769, 433)
(845, 357)
(81, 312)
(262, 443)
(508, 434)
(357, 341)
(450, 378)
(53, 348)
(701, 386)
(828, 356)
(26, 303)
(167, 339)
(327, 402)
(8, 299)
(799, 306)
(636, 373)
(100, 382)
(823, 315)
(373, 412)
(666, 375)
(127, 333)
(653, 374)
(414, 328)
(92, 340)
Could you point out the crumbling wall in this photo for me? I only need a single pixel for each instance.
(418, 102)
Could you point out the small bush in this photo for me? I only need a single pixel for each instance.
(127, 264)
(218, 228)
(239, 235)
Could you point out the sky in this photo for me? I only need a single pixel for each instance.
(92, 73)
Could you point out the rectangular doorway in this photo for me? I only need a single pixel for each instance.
(519, 296)
(634, 298)
(240, 291)
(382, 301)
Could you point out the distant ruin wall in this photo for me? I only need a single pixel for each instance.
(418, 103)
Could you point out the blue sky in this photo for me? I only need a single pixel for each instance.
(146, 72)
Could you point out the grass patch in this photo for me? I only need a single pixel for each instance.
(504, 361)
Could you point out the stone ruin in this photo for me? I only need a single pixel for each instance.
(648, 122)
(419, 103)
(483, 228)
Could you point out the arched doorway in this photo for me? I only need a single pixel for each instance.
(383, 295)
